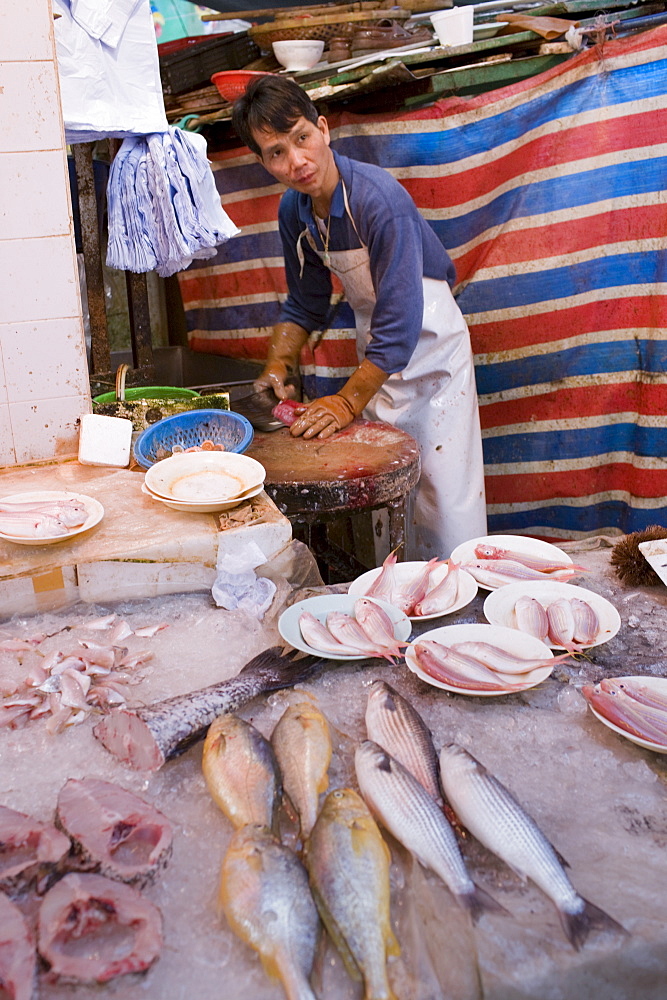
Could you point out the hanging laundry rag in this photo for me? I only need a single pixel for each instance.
(163, 206)
(108, 68)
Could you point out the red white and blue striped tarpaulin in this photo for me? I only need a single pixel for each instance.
(550, 196)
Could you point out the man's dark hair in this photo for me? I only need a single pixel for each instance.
(271, 103)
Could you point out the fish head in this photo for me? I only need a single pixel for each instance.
(454, 757)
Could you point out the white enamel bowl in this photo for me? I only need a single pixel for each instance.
(657, 684)
(204, 476)
(94, 509)
(213, 507)
(406, 571)
(465, 552)
(499, 605)
(297, 54)
(288, 623)
(526, 646)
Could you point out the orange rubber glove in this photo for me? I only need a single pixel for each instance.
(323, 417)
(282, 359)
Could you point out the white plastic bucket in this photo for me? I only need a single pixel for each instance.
(454, 26)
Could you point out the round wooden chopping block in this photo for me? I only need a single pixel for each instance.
(365, 465)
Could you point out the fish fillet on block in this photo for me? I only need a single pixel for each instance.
(495, 818)
(114, 831)
(18, 958)
(29, 850)
(91, 929)
(144, 738)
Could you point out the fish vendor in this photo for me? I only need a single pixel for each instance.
(415, 372)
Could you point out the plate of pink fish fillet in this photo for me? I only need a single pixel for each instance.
(497, 560)
(421, 590)
(634, 707)
(340, 627)
(481, 660)
(43, 517)
(561, 615)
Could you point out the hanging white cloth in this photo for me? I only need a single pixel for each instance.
(108, 68)
(163, 206)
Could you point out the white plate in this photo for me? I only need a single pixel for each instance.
(193, 477)
(406, 571)
(202, 508)
(506, 638)
(465, 552)
(499, 606)
(93, 507)
(288, 623)
(657, 684)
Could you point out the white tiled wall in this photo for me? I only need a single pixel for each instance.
(43, 369)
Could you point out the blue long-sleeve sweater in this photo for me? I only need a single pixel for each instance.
(402, 248)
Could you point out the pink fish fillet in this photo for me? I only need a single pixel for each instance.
(344, 628)
(533, 562)
(377, 625)
(442, 597)
(406, 597)
(454, 668)
(531, 617)
(627, 714)
(383, 585)
(319, 637)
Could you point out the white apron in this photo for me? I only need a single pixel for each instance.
(434, 399)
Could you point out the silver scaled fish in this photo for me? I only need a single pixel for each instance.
(348, 863)
(495, 818)
(265, 896)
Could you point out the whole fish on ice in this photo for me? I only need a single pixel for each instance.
(265, 896)
(405, 808)
(348, 865)
(495, 818)
(302, 744)
(241, 772)
(395, 725)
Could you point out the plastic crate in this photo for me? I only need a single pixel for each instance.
(191, 429)
(194, 65)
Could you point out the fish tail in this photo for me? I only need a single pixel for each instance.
(479, 902)
(577, 926)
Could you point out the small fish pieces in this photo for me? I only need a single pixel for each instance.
(241, 772)
(265, 896)
(395, 725)
(459, 670)
(302, 744)
(627, 706)
(495, 818)
(405, 808)
(348, 865)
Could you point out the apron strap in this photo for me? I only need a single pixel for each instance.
(347, 209)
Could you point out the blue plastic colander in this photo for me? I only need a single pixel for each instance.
(186, 430)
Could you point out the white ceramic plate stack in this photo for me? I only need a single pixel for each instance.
(202, 482)
(94, 514)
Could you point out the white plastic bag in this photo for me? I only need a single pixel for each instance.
(237, 586)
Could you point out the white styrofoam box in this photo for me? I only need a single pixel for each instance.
(655, 553)
(105, 440)
(116, 580)
(27, 595)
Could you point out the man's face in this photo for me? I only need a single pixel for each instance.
(300, 158)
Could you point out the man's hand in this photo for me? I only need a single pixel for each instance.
(273, 377)
(323, 417)
(329, 414)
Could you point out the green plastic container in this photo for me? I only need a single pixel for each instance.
(148, 392)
